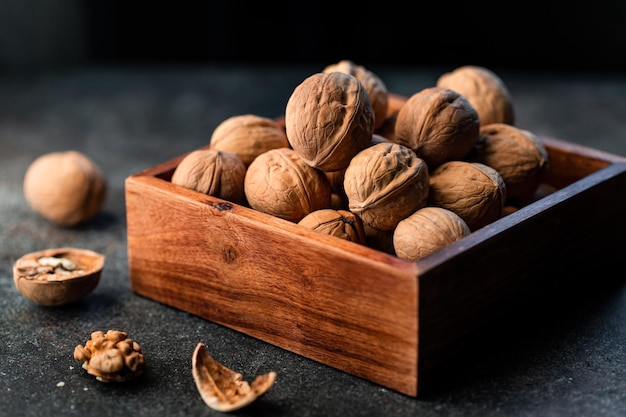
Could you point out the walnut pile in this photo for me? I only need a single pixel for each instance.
(111, 356)
(415, 173)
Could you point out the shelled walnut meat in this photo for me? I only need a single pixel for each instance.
(374, 85)
(248, 135)
(111, 356)
(474, 191)
(279, 182)
(438, 124)
(518, 156)
(385, 183)
(484, 89)
(213, 172)
(328, 119)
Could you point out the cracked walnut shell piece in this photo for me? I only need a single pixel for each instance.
(223, 389)
(111, 356)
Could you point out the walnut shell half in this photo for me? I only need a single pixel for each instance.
(55, 277)
(223, 389)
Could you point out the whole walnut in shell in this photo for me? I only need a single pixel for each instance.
(518, 156)
(386, 183)
(426, 231)
(484, 90)
(374, 85)
(248, 135)
(66, 188)
(213, 172)
(339, 223)
(279, 182)
(328, 119)
(474, 191)
(439, 124)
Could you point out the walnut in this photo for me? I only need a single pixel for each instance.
(374, 85)
(484, 90)
(111, 356)
(214, 172)
(66, 188)
(223, 389)
(55, 277)
(248, 135)
(339, 223)
(439, 124)
(426, 231)
(328, 119)
(518, 156)
(279, 182)
(385, 183)
(474, 191)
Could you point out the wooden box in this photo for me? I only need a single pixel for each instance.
(354, 308)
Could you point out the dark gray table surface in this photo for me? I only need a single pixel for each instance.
(566, 357)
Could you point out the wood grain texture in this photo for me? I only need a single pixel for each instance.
(365, 312)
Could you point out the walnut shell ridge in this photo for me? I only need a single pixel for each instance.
(328, 119)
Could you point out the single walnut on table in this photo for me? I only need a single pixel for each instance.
(111, 356)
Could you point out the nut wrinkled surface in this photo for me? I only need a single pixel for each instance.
(223, 389)
(248, 135)
(438, 124)
(339, 223)
(426, 231)
(386, 183)
(474, 191)
(518, 156)
(484, 89)
(213, 172)
(280, 183)
(55, 277)
(374, 85)
(66, 188)
(111, 356)
(328, 119)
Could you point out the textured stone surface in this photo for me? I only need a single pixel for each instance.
(562, 356)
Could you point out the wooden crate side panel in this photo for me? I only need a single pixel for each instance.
(355, 313)
(470, 284)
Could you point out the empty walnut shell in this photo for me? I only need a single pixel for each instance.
(223, 389)
(111, 356)
(328, 119)
(280, 183)
(386, 183)
(426, 231)
(339, 223)
(248, 135)
(439, 124)
(213, 172)
(484, 90)
(474, 191)
(518, 156)
(374, 85)
(55, 277)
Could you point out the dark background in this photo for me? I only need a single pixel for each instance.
(42, 35)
